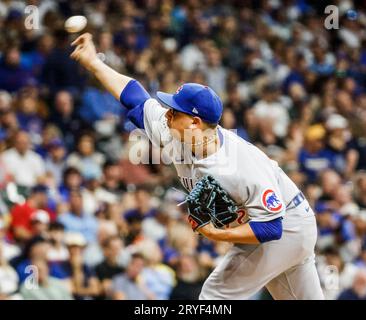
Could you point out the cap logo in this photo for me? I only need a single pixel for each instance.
(194, 110)
(179, 89)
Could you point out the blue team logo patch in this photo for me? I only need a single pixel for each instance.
(270, 201)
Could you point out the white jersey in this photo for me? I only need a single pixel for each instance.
(254, 181)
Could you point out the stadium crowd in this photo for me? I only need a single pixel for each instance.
(79, 220)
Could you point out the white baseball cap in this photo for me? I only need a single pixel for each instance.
(336, 121)
(41, 216)
(75, 239)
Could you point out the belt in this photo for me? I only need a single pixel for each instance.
(296, 200)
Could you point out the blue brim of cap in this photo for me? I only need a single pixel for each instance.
(168, 100)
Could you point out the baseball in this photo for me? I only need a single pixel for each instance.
(75, 24)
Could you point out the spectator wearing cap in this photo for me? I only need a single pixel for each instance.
(55, 161)
(111, 265)
(313, 157)
(84, 283)
(25, 166)
(77, 221)
(345, 158)
(40, 221)
(48, 288)
(21, 214)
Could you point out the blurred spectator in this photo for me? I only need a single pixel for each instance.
(55, 161)
(72, 180)
(22, 214)
(158, 278)
(360, 190)
(336, 275)
(8, 276)
(58, 252)
(77, 221)
(8, 249)
(26, 167)
(65, 118)
(59, 71)
(40, 221)
(358, 289)
(84, 283)
(190, 281)
(86, 159)
(314, 158)
(48, 288)
(13, 75)
(111, 182)
(127, 286)
(270, 109)
(345, 159)
(93, 254)
(35, 249)
(215, 73)
(111, 266)
(28, 116)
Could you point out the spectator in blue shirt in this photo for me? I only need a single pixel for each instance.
(313, 157)
(77, 221)
(12, 75)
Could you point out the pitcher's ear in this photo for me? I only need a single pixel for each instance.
(197, 122)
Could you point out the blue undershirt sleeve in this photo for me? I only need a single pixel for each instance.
(267, 231)
(133, 97)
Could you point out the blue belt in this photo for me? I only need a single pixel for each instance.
(296, 200)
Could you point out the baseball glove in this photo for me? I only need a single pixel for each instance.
(208, 201)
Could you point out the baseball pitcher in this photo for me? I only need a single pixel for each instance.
(236, 193)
